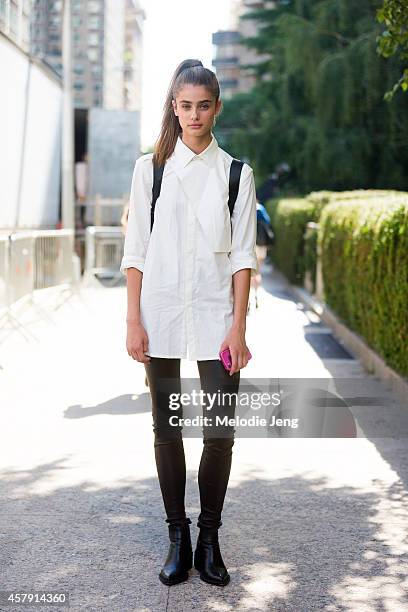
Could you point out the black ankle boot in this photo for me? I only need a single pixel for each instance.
(208, 560)
(180, 556)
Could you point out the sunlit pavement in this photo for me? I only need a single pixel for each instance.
(308, 524)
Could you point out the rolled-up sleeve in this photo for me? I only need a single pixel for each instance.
(138, 225)
(243, 220)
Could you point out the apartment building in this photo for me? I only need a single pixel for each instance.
(102, 42)
(134, 21)
(15, 21)
(231, 54)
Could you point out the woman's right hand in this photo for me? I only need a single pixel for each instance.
(137, 342)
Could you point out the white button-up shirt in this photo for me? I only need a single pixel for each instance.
(186, 299)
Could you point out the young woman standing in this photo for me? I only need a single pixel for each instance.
(188, 281)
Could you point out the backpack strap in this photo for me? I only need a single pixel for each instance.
(157, 181)
(234, 178)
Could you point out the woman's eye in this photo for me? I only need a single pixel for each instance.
(206, 107)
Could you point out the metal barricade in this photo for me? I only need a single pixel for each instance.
(4, 265)
(105, 212)
(53, 258)
(313, 281)
(20, 280)
(31, 261)
(104, 251)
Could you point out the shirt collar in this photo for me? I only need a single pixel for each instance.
(183, 154)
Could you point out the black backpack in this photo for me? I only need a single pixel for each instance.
(234, 177)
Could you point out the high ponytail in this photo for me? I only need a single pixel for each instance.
(191, 72)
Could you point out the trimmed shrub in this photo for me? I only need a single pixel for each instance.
(364, 246)
(289, 217)
(294, 251)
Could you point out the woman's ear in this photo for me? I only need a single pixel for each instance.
(174, 105)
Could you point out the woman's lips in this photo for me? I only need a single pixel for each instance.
(195, 126)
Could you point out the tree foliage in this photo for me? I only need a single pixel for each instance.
(394, 14)
(318, 100)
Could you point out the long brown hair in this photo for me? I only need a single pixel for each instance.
(191, 72)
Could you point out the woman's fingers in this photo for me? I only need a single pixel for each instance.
(141, 355)
(145, 348)
(234, 360)
(239, 360)
(137, 347)
(137, 353)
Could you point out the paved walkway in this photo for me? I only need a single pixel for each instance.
(308, 524)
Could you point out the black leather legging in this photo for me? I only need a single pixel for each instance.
(163, 375)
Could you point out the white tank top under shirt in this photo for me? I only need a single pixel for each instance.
(188, 260)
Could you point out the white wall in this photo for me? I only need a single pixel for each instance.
(30, 143)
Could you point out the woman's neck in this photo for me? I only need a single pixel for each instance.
(198, 143)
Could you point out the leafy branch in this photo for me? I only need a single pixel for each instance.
(394, 40)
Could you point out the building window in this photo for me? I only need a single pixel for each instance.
(13, 18)
(93, 38)
(79, 69)
(229, 83)
(78, 86)
(94, 6)
(93, 55)
(94, 22)
(54, 20)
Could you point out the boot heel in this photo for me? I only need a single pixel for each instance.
(198, 562)
(188, 560)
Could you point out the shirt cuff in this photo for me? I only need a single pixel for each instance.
(131, 262)
(241, 262)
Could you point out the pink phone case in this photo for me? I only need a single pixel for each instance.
(225, 357)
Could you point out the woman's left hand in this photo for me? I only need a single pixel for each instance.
(235, 341)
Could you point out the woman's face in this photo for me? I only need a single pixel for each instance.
(194, 105)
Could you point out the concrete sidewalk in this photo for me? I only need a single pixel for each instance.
(308, 524)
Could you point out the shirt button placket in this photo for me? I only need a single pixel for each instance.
(184, 339)
(189, 268)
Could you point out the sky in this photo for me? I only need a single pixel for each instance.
(175, 30)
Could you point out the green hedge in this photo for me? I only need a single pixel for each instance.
(289, 217)
(320, 199)
(294, 251)
(363, 237)
(364, 245)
